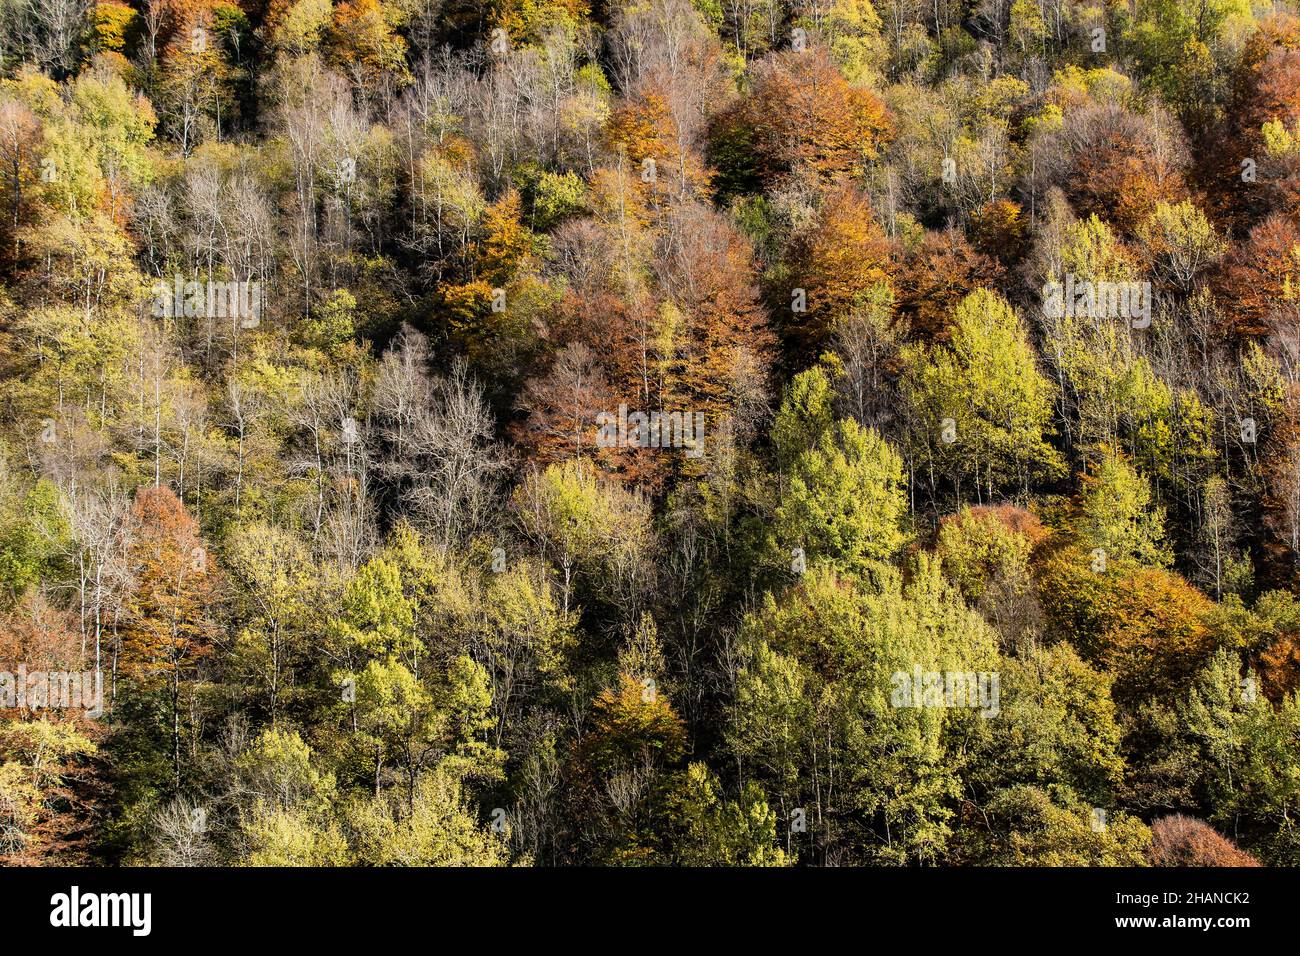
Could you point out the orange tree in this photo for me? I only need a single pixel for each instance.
(168, 629)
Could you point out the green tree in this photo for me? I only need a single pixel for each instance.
(437, 828)
(592, 530)
(818, 720)
(1058, 730)
(979, 409)
(34, 538)
(704, 829)
(289, 804)
(804, 416)
(1027, 827)
(274, 583)
(845, 501)
(1116, 514)
(986, 553)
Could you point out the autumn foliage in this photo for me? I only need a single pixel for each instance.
(557, 433)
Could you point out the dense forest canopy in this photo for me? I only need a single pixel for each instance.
(691, 432)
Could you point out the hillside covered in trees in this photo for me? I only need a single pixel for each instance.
(644, 432)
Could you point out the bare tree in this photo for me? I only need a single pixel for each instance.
(441, 454)
(180, 835)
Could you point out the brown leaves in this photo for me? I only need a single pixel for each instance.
(835, 262)
(1260, 283)
(998, 230)
(803, 115)
(168, 626)
(1179, 840)
(39, 635)
(1279, 667)
(691, 336)
(633, 724)
(934, 279)
(1118, 168)
(1146, 626)
(645, 132)
(1265, 87)
(46, 785)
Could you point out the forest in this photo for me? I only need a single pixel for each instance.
(697, 433)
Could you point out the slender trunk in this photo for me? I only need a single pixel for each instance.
(176, 724)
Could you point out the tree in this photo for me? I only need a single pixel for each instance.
(804, 417)
(1178, 840)
(1117, 165)
(634, 739)
(363, 38)
(439, 433)
(1028, 828)
(1116, 514)
(800, 117)
(1218, 532)
(711, 831)
(816, 717)
(46, 769)
(979, 409)
(169, 627)
(715, 345)
(845, 501)
(1180, 242)
(1147, 627)
(562, 405)
(289, 805)
(593, 531)
(933, 281)
(34, 535)
(1237, 742)
(985, 553)
(20, 133)
(272, 574)
(1059, 731)
(867, 343)
(525, 644)
(289, 838)
(833, 267)
(437, 828)
(646, 133)
(1262, 89)
(1260, 277)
